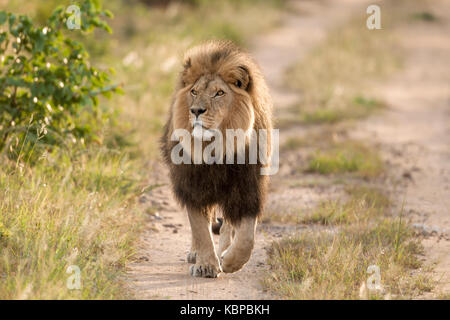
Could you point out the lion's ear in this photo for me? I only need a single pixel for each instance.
(186, 66)
(244, 80)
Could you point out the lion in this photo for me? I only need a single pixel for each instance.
(220, 87)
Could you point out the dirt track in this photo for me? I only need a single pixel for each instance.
(415, 139)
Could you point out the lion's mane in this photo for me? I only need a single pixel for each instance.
(239, 189)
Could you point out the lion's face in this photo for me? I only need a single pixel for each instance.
(219, 88)
(209, 101)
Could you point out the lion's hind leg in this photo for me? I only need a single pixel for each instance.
(237, 255)
(206, 262)
(226, 237)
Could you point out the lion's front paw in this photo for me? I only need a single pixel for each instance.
(205, 270)
(191, 257)
(233, 259)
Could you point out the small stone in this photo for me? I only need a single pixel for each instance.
(154, 228)
(151, 212)
(143, 199)
(407, 175)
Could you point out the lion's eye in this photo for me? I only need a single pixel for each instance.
(193, 92)
(220, 93)
(238, 83)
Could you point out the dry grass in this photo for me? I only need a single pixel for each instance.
(361, 203)
(364, 203)
(359, 107)
(326, 265)
(332, 263)
(294, 143)
(64, 212)
(290, 216)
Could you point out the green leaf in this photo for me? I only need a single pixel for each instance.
(3, 17)
(12, 19)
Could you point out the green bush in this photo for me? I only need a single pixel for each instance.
(48, 88)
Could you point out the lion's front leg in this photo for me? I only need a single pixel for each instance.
(237, 255)
(206, 262)
(192, 255)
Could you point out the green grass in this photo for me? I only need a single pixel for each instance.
(359, 107)
(364, 203)
(323, 116)
(424, 16)
(348, 157)
(293, 143)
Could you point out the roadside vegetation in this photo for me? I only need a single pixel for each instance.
(75, 203)
(333, 264)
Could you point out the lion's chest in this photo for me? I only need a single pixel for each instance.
(205, 185)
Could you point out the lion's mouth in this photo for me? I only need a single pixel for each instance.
(198, 123)
(199, 131)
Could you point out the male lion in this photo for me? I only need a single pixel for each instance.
(220, 87)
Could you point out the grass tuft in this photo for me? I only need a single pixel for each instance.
(424, 16)
(346, 158)
(359, 107)
(327, 265)
(363, 204)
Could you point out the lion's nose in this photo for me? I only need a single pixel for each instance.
(197, 111)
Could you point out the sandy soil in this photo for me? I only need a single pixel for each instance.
(414, 136)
